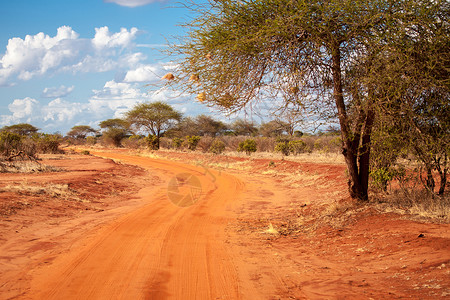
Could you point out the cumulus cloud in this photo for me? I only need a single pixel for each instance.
(133, 3)
(57, 92)
(151, 73)
(113, 90)
(23, 108)
(142, 74)
(105, 39)
(42, 54)
(60, 111)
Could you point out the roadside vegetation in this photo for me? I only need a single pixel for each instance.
(20, 146)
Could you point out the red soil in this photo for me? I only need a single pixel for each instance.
(128, 240)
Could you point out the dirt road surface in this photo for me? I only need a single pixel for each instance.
(202, 233)
(159, 251)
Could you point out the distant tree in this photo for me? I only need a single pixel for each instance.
(154, 118)
(21, 129)
(114, 123)
(80, 131)
(243, 127)
(217, 147)
(274, 128)
(114, 130)
(206, 125)
(290, 119)
(186, 126)
(201, 125)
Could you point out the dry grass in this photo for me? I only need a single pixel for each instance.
(237, 165)
(304, 179)
(417, 204)
(314, 157)
(26, 167)
(53, 190)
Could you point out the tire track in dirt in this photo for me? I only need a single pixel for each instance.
(158, 251)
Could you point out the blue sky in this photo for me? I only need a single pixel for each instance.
(78, 62)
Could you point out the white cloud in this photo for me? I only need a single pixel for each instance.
(65, 52)
(151, 74)
(142, 74)
(57, 92)
(23, 108)
(152, 46)
(104, 39)
(133, 3)
(60, 111)
(118, 90)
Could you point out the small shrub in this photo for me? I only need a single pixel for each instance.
(85, 152)
(298, 147)
(309, 140)
(217, 147)
(9, 143)
(152, 142)
(48, 143)
(283, 147)
(381, 177)
(177, 143)
(192, 142)
(27, 148)
(249, 146)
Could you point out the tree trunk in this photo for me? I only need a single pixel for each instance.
(349, 149)
(442, 170)
(443, 182)
(364, 154)
(430, 180)
(158, 138)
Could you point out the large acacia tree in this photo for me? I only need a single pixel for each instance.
(21, 129)
(115, 130)
(81, 131)
(154, 118)
(309, 53)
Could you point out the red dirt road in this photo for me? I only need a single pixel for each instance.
(215, 243)
(159, 251)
